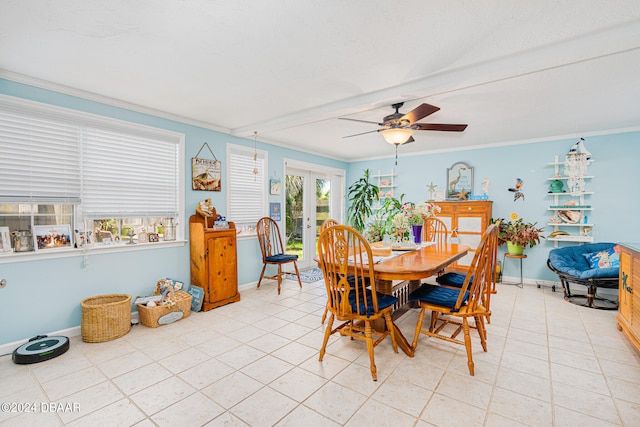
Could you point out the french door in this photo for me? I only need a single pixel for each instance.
(312, 195)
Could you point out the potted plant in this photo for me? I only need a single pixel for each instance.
(362, 194)
(518, 234)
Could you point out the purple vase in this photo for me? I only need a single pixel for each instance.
(417, 233)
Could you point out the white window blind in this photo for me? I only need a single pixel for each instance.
(111, 168)
(39, 161)
(128, 175)
(247, 191)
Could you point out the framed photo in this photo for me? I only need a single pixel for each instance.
(53, 236)
(143, 237)
(5, 240)
(459, 180)
(153, 237)
(275, 186)
(438, 195)
(205, 174)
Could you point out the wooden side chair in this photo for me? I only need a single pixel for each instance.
(435, 230)
(270, 241)
(326, 224)
(456, 306)
(344, 256)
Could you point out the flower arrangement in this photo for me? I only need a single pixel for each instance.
(417, 213)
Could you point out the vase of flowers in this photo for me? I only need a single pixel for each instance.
(416, 214)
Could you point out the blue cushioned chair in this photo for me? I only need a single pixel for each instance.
(273, 251)
(456, 306)
(571, 266)
(352, 298)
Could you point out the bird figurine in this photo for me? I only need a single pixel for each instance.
(516, 189)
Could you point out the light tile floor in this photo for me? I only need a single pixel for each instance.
(255, 362)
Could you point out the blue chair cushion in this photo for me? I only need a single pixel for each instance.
(384, 301)
(437, 295)
(282, 258)
(452, 279)
(571, 260)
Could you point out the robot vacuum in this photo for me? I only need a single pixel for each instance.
(39, 349)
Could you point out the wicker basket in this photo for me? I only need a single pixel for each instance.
(105, 317)
(155, 316)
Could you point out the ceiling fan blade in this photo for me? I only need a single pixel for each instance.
(363, 133)
(409, 141)
(420, 112)
(439, 126)
(363, 121)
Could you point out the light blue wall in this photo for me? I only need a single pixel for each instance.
(44, 296)
(615, 202)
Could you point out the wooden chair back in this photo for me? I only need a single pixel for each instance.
(344, 259)
(330, 222)
(269, 238)
(435, 230)
(481, 270)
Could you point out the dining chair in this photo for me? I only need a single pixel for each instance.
(435, 230)
(273, 253)
(326, 224)
(450, 306)
(456, 280)
(347, 266)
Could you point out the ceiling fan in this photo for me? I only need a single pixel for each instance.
(397, 128)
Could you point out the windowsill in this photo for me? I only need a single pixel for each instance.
(95, 249)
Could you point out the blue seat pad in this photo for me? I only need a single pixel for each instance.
(570, 260)
(282, 258)
(452, 279)
(384, 301)
(438, 295)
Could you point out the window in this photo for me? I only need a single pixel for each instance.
(92, 175)
(247, 192)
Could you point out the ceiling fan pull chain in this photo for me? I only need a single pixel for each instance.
(396, 154)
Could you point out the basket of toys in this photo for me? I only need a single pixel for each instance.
(167, 305)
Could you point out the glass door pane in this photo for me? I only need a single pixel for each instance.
(294, 210)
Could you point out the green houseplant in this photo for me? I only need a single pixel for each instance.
(518, 234)
(362, 194)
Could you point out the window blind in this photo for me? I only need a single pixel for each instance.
(247, 191)
(39, 160)
(111, 168)
(128, 175)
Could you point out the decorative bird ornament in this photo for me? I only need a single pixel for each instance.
(516, 189)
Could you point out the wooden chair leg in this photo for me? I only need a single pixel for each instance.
(279, 277)
(467, 344)
(295, 265)
(327, 334)
(369, 338)
(391, 329)
(482, 332)
(418, 329)
(324, 315)
(261, 275)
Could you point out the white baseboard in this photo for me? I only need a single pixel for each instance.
(8, 348)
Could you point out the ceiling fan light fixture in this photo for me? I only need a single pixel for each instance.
(397, 136)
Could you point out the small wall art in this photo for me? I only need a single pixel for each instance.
(205, 172)
(275, 185)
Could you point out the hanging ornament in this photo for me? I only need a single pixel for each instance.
(255, 156)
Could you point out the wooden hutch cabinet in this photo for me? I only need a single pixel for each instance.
(629, 301)
(468, 220)
(214, 262)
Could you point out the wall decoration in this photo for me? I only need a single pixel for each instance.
(439, 195)
(517, 189)
(274, 211)
(205, 172)
(53, 236)
(275, 185)
(459, 180)
(431, 188)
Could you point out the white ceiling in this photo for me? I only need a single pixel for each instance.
(515, 70)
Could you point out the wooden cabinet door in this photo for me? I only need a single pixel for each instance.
(625, 296)
(634, 278)
(223, 275)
